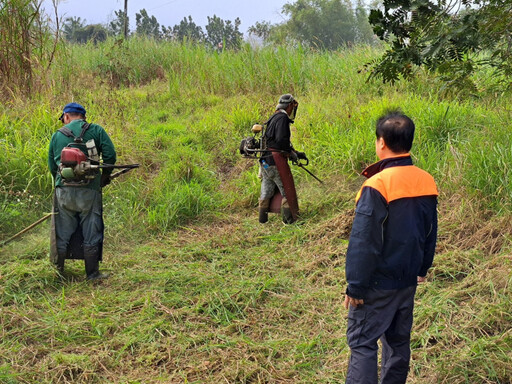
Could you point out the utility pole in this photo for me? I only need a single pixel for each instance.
(125, 19)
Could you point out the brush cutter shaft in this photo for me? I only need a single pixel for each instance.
(127, 168)
(302, 166)
(27, 229)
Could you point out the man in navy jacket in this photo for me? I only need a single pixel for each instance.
(390, 250)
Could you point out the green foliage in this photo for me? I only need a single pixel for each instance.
(22, 151)
(184, 187)
(92, 32)
(208, 93)
(178, 203)
(196, 282)
(76, 31)
(261, 29)
(71, 26)
(187, 30)
(115, 65)
(364, 32)
(9, 214)
(146, 25)
(322, 24)
(117, 26)
(453, 42)
(489, 156)
(325, 24)
(26, 49)
(221, 34)
(6, 376)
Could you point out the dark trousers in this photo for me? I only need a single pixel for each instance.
(78, 205)
(386, 315)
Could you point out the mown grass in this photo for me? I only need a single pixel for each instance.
(200, 292)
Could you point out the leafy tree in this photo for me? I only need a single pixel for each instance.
(166, 33)
(364, 31)
(116, 26)
(223, 33)
(188, 30)
(91, 32)
(262, 30)
(146, 25)
(76, 31)
(71, 27)
(326, 24)
(451, 39)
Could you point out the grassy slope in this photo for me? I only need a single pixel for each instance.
(220, 298)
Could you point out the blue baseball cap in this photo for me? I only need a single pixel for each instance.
(72, 108)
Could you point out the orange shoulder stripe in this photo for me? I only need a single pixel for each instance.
(401, 182)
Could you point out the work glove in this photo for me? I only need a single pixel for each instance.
(293, 157)
(301, 155)
(105, 180)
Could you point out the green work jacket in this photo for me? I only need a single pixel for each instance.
(95, 132)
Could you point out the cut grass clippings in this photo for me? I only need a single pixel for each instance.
(199, 291)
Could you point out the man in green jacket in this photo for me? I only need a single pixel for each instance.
(77, 226)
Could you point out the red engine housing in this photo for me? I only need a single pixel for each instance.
(70, 156)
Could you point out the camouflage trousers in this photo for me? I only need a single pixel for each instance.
(269, 180)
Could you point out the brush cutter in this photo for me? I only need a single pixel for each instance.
(44, 218)
(253, 147)
(78, 169)
(303, 166)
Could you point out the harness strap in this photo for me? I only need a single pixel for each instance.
(67, 132)
(85, 127)
(274, 115)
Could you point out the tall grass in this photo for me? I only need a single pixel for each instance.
(190, 67)
(200, 292)
(180, 110)
(27, 48)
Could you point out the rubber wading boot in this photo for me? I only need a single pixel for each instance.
(264, 205)
(91, 259)
(60, 263)
(286, 212)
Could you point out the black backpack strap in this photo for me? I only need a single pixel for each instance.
(271, 117)
(85, 127)
(268, 123)
(67, 132)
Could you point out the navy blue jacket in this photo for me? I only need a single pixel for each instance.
(394, 232)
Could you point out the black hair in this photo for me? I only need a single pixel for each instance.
(397, 130)
(76, 114)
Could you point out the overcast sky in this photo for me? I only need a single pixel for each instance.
(171, 12)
